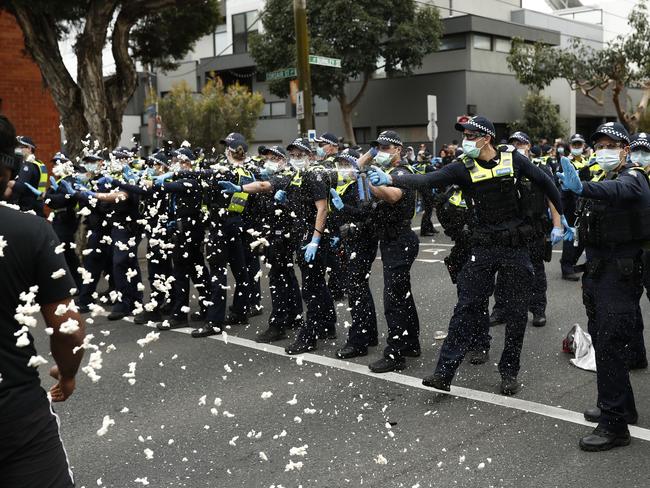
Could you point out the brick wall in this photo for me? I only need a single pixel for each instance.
(23, 96)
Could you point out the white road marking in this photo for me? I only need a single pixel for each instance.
(413, 382)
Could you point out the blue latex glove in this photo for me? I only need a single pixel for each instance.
(129, 174)
(569, 232)
(378, 177)
(36, 192)
(53, 183)
(557, 234)
(280, 196)
(159, 180)
(311, 249)
(334, 242)
(67, 187)
(229, 187)
(336, 199)
(373, 151)
(105, 180)
(433, 191)
(569, 179)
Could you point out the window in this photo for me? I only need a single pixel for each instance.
(242, 25)
(274, 110)
(482, 42)
(502, 45)
(222, 18)
(362, 135)
(321, 106)
(449, 43)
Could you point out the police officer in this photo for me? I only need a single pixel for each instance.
(499, 241)
(613, 228)
(304, 194)
(66, 220)
(390, 219)
(33, 173)
(186, 225)
(536, 211)
(423, 165)
(572, 250)
(640, 156)
(327, 148)
(286, 302)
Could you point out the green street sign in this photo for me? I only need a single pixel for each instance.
(323, 61)
(280, 74)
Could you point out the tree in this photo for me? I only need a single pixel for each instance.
(155, 32)
(206, 118)
(364, 34)
(622, 63)
(541, 119)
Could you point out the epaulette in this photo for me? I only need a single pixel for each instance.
(506, 148)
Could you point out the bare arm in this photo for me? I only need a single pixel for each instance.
(61, 345)
(321, 217)
(555, 215)
(388, 194)
(113, 197)
(258, 187)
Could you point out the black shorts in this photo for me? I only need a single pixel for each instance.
(32, 454)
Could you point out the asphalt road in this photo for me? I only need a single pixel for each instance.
(215, 413)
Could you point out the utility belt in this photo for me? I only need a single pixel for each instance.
(518, 236)
(391, 231)
(628, 268)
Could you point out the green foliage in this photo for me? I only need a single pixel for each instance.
(203, 119)
(541, 119)
(360, 33)
(623, 62)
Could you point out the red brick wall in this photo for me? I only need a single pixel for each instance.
(23, 96)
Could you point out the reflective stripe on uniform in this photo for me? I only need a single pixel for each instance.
(238, 200)
(479, 173)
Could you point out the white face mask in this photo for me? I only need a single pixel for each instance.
(576, 151)
(608, 159)
(522, 151)
(471, 149)
(383, 158)
(91, 167)
(298, 163)
(271, 167)
(642, 158)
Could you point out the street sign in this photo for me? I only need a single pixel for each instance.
(461, 119)
(311, 135)
(323, 61)
(282, 73)
(300, 105)
(432, 127)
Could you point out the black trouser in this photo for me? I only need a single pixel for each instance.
(31, 452)
(611, 296)
(537, 304)
(397, 256)
(188, 263)
(426, 226)
(286, 302)
(475, 286)
(159, 270)
(125, 264)
(99, 260)
(570, 252)
(321, 315)
(66, 231)
(335, 260)
(225, 247)
(252, 258)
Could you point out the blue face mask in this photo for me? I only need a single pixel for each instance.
(471, 149)
(320, 152)
(641, 158)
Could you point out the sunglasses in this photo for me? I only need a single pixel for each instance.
(472, 136)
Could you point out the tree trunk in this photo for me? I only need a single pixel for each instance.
(623, 116)
(348, 107)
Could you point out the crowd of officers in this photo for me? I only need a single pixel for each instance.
(329, 210)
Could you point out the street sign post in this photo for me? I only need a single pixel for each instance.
(432, 127)
(282, 73)
(324, 61)
(311, 135)
(300, 105)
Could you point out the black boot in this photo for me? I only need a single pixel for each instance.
(593, 415)
(272, 334)
(602, 440)
(146, 317)
(385, 365)
(349, 351)
(496, 318)
(173, 323)
(509, 385)
(437, 382)
(197, 316)
(299, 347)
(210, 328)
(234, 318)
(539, 320)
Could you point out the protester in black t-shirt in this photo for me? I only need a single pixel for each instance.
(32, 273)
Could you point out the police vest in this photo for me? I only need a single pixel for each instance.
(602, 226)
(42, 176)
(494, 197)
(239, 199)
(456, 199)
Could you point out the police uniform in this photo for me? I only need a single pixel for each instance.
(500, 235)
(572, 250)
(303, 189)
(389, 229)
(33, 173)
(613, 227)
(286, 300)
(426, 226)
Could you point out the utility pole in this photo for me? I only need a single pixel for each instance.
(304, 73)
